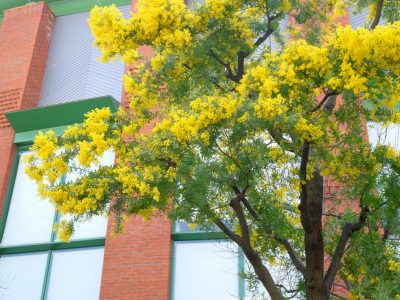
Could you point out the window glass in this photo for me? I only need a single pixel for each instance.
(183, 227)
(21, 276)
(281, 275)
(107, 159)
(193, 3)
(206, 270)
(97, 226)
(29, 220)
(384, 135)
(75, 274)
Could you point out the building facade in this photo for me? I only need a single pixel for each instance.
(49, 78)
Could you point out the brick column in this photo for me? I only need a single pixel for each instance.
(137, 262)
(24, 42)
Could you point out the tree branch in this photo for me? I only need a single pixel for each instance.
(240, 68)
(227, 66)
(232, 158)
(303, 206)
(348, 230)
(269, 31)
(241, 55)
(287, 290)
(244, 227)
(332, 215)
(263, 38)
(229, 233)
(244, 242)
(378, 14)
(298, 264)
(319, 105)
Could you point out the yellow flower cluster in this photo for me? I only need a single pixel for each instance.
(138, 182)
(271, 107)
(157, 23)
(111, 31)
(364, 53)
(238, 18)
(394, 265)
(64, 230)
(307, 130)
(45, 145)
(186, 125)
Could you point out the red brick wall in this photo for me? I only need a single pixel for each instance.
(24, 41)
(137, 262)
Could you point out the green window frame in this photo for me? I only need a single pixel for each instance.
(47, 247)
(209, 236)
(26, 124)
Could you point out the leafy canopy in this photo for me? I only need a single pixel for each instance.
(216, 113)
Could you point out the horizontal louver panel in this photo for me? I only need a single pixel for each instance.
(72, 71)
(360, 19)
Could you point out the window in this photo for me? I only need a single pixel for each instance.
(205, 265)
(206, 270)
(57, 270)
(380, 134)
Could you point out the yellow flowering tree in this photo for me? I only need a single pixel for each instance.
(244, 132)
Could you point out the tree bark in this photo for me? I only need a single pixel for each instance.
(313, 241)
(311, 201)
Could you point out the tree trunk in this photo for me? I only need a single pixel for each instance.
(311, 215)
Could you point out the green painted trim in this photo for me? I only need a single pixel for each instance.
(7, 200)
(57, 115)
(194, 236)
(26, 138)
(241, 283)
(55, 221)
(52, 246)
(46, 275)
(64, 7)
(172, 270)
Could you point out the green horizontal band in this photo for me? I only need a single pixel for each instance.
(63, 7)
(26, 138)
(195, 236)
(52, 246)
